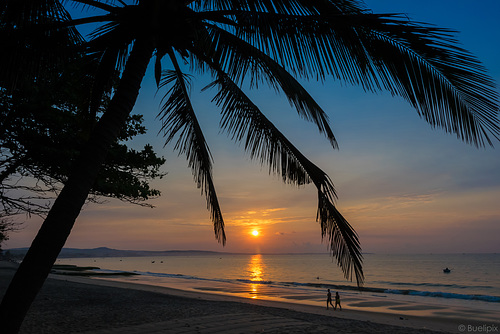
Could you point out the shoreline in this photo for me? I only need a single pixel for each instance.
(440, 324)
(72, 304)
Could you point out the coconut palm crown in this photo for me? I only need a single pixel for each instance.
(275, 42)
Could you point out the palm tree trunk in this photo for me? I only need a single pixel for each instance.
(56, 228)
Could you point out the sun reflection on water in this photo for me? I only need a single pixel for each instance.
(256, 272)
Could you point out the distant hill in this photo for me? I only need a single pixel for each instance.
(109, 252)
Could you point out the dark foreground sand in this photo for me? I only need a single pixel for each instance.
(75, 305)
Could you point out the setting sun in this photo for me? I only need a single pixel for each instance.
(255, 233)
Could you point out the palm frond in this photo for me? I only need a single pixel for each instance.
(178, 119)
(242, 119)
(299, 45)
(239, 58)
(29, 36)
(446, 84)
(288, 7)
(107, 6)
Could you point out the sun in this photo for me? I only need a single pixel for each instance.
(255, 233)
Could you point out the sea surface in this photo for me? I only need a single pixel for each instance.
(402, 284)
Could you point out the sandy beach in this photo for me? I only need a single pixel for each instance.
(85, 305)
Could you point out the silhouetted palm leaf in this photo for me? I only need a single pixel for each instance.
(178, 118)
(241, 59)
(421, 63)
(28, 50)
(244, 121)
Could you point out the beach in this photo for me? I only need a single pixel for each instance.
(68, 304)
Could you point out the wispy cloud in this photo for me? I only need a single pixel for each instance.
(285, 233)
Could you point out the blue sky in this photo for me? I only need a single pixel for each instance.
(404, 186)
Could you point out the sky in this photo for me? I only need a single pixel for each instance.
(404, 186)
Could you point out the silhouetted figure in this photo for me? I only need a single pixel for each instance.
(337, 301)
(328, 299)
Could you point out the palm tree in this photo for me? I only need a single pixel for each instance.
(239, 42)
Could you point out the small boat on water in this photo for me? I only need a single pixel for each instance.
(446, 270)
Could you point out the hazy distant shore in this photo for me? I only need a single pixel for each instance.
(77, 304)
(103, 252)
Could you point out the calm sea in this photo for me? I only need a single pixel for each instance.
(392, 282)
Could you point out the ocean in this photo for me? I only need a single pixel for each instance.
(401, 284)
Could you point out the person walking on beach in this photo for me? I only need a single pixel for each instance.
(328, 299)
(337, 301)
